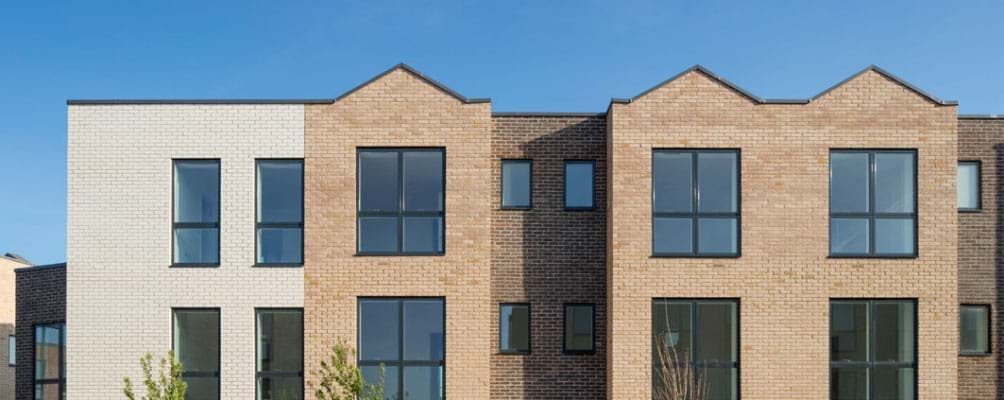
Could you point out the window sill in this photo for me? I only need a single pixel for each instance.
(970, 210)
(514, 353)
(194, 265)
(514, 208)
(578, 352)
(696, 256)
(400, 254)
(580, 208)
(870, 257)
(975, 354)
(278, 265)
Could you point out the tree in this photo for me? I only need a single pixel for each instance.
(340, 379)
(168, 385)
(675, 378)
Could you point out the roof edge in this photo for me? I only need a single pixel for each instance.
(39, 267)
(78, 102)
(546, 114)
(981, 116)
(930, 97)
(420, 75)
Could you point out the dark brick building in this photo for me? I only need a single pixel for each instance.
(41, 301)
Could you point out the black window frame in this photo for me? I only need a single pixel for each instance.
(271, 374)
(219, 348)
(872, 215)
(871, 364)
(401, 363)
(694, 336)
(564, 329)
(400, 213)
(175, 225)
(990, 324)
(529, 331)
(281, 225)
(979, 186)
(529, 163)
(695, 214)
(11, 355)
(564, 185)
(61, 381)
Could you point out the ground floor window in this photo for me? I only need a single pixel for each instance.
(407, 337)
(695, 349)
(280, 354)
(50, 370)
(197, 346)
(873, 349)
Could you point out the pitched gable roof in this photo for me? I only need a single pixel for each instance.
(407, 68)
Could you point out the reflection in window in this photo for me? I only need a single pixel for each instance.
(695, 202)
(872, 210)
(696, 335)
(580, 328)
(280, 212)
(196, 212)
(50, 370)
(516, 184)
(407, 337)
(280, 354)
(197, 346)
(401, 201)
(872, 349)
(974, 329)
(514, 328)
(579, 184)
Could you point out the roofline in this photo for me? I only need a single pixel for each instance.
(981, 116)
(547, 114)
(420, 75)
(38, 267)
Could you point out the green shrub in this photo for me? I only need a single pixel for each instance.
(167, 386)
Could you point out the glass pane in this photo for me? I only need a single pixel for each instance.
(423, 383)
(371, 375)
(894, 331)
(968, 179)
(849, 384)
(196, 245)
(197, 339)
(717, 235)
(849, 331)
(973, 322)
(894, 182)
(579, 328)
(894, 383)
(671, 329)
(280, 245)
(423, 181)
(280, 191)
(578, 184)
(672, 181)
(848, 182)
(48, 391)
(378, 181)
(716, 329)
(48, 351)
(672, 236)
(848, 235)
(423, 234)
(379, 329)
(423, 330)
(280, 341)
(11, 350)
(515, 328)
(202, 388)
(894, 236)
(377, 234)
(720, 383)
(515, 183)
(280, 388)
(196, 191)
(717, 182)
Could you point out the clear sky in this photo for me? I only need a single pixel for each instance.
(525, 55)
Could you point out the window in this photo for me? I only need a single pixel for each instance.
(872, 203)
(196, 213)
(580, 328)
(514, 328)
(974, 329)
(197, 346)
(516, 184)
(279, 222)
(872, 349)
(696, 335)
(50, 371)
(695, 203)
(12, 350)
(280, 354)
(579, 184)
(407, 337)
(968, 188)
(401, 201)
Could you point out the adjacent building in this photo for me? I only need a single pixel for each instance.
(41, 332)
(8, 340)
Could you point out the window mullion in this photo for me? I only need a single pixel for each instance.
(694, 208)
(400, 203)
(871, 203)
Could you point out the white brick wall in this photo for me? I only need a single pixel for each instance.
(120, 287)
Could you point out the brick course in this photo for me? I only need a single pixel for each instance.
(41, 299)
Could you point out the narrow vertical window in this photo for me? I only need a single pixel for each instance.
(407, 338)
(580, 328)
(280, 354)
(196, 213)
(197, 347)
(401, 202)
(50, 371)
(872, 203)
(12, 350)
(516, 184)
(579, 182)
(968, 189)
(514, 328)
(974, 329)
(873, 349)
(279, 221)
(695, 203)
(695, 348)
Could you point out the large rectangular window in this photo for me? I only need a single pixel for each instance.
(580, 328)
(401, 201)
(974, 329)
(695, 203)
(50, 370)
(514, 328)
(12, 350)
(695, 346)
(516, 184)
(873, 203)
(873, 349)
(280, 354)
(196, 222)
(968, 189)
(407, 337)
(579, 183)
(279, 221)
(197, 346)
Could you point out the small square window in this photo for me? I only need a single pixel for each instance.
(974, 329)
(516, 184)
(579, 184)
(514, 328)
(580, 328)
(968, 195)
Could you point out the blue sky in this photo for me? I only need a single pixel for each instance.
(525, 55)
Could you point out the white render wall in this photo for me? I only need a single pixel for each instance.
(120, 288)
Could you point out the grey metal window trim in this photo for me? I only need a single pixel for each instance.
(564, 329)
(529, 331)
(287, 224)
(592, 183)
(502, 205)
(871, 364)
(990, 323)
(61, 381)
(695, 337)
(400, 362)
(272, 374)
(219, 346)
(979, 186)
(197, 225)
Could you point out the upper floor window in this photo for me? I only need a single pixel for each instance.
(579, 184)
(197, 347)
(279, 221)
(196, 222)
(516, 184)
(50, 370)
(873, 349)
(974, 329)
(695, 203)
(401, 204)
(514, 328)
(700, 336)
(968, 189)
(580, 328)
(406, 338)
(873, 203)
(280, 354)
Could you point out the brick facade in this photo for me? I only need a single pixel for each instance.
(41, 299)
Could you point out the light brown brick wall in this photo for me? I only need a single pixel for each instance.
(784, 278)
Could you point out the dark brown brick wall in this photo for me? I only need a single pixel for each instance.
(547, 257)
(41, 299)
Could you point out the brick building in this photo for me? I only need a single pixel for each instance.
(8, 341)
(41, 328)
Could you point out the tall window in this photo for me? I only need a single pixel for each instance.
(280, 354)
(872, 203)
(696, 339)
(580, 328)
(974, 329)
(968, 189)
(514, 328)
(50, 371)
(408, 337)
(579, 184)
(873, 349)
(12, 350)
(280, 212)
(516, 184)
(401, 201)
(196, 213)
(695, 203)
(197, 346)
